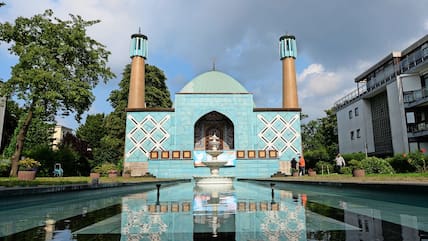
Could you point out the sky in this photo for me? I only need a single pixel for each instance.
(336, 40)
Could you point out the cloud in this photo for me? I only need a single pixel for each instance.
(317, 81)
(310, 70)
(319, 88)
(336, 39)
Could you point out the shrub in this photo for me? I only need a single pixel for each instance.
(324, 167)
(400, 163)
(45, 155)
(376, 165)
(28, 164)
(354, 164)
(4, 167)
(346, 170)
(313, 156)
(354, 156)
(119, 165)
(104, 168)
(417, 160)
(71, 162)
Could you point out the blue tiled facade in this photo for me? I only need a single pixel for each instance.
(173, 130)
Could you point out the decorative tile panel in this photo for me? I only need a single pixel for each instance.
(147, 134)
(281, 133)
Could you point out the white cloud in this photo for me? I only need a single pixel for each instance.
(243, 37)
(319, 88)
(316, 81)
(310, 70)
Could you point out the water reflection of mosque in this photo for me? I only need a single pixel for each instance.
(215, 215)
(242, 215)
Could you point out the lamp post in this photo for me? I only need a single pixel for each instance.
(158, 194)
(272, 185)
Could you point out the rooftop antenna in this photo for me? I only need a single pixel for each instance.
(139, 30)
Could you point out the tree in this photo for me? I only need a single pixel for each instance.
(328, 130)
(157, 93)
(109, 151)
(92, 131)
(77, 166)
(11, 119)
(58, 67)
(39, 133)
(320, 138)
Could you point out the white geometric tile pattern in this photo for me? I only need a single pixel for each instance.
(279, 134)
(289, 225)
(147, 135)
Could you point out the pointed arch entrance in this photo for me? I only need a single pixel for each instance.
(210, 124)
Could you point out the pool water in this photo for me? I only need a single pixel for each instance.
(246, 211)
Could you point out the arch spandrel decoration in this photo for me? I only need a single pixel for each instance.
(207, 125)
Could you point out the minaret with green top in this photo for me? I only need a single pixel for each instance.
(288, 54)
(138, 54)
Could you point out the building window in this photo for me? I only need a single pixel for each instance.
(352, 135)
(350, 114)
(356, 112)
(358, 133)
(425, 50)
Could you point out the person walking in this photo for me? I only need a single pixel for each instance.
(294, 170)
(340, 162)
(302, 165)
(294, 163)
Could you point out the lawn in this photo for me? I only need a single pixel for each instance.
(400, 177)
(45, 181)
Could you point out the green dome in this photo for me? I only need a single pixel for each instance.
(213, 82)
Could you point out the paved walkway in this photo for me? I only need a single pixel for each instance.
(398, 185)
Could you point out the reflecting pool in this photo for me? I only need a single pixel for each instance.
(245, 211)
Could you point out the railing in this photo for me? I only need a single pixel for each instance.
(417, 127)
(413, 60)
(415, 95)
(351, 96)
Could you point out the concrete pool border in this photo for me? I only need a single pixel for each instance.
(48, 189)
(374, 185)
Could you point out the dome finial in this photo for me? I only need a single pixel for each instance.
(214, 64)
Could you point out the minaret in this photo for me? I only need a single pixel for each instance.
(138, 54)
(288, 53)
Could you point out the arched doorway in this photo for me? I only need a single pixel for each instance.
(210, 124)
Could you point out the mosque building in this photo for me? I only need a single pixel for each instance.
(173, 142)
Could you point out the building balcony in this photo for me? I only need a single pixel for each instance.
(417, 129)
(366, 90)
(349, 98)
(414, 61)
(415, 97)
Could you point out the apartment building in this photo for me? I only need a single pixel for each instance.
(388, 111)
(58, 135)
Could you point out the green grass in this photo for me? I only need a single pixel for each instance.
(46, 181)
(400, 177)
(13, 181)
